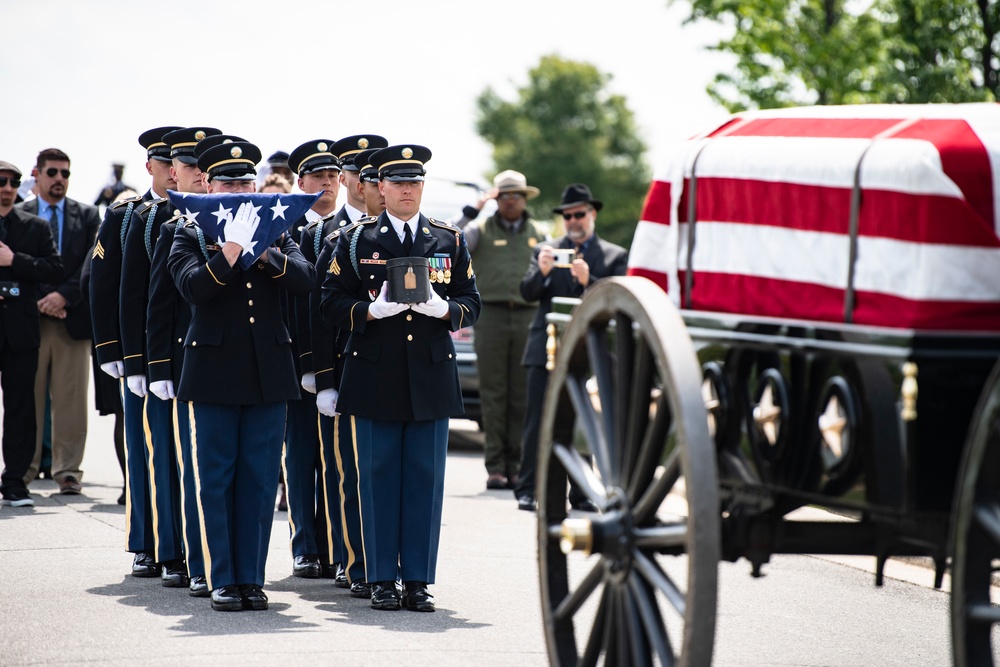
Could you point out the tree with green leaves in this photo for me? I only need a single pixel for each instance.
(795, 52)
(566, 127)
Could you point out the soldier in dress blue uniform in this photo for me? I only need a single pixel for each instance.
(237, 375)
(167, 318)
(336, 443)
(314, 534)
(400, 384)
(137, 258)
(105, 283)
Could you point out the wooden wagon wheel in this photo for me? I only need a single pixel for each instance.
(976, 534)
(635, 582)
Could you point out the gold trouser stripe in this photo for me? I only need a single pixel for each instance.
(152, 478)
(179, 452)
(361, 516)
(351, 558)
(206, 554)
(326, 491)
(288, 497)
(128, 477)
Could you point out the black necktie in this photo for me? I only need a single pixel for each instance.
(54, 224)
(407, 239)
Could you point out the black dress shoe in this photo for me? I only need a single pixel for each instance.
(584, 505)
(527, 503)
(174, 574)
(143, 565)
(198, 588)
(227, 598)
(121, 498)
(385, 595)
(306, 566)
(254, 598)
(340, 576)
(361, 589)
(416, 597)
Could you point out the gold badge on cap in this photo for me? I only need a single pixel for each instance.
(199, 135)
(322, 146)
(407, 153)
(236, 151)
(227, 141)
(362, 143)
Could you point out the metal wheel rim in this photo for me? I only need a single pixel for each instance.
(634, 586)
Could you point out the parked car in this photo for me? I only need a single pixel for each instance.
(468, 374)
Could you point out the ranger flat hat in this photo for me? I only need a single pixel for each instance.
(183, 141)
(363, 165)
(576, 194)
(7, 166)
(346, 148)
(402, 163)
(313, 156)
(156, 147)
(514, 181)
(214, 140)
(236, 161)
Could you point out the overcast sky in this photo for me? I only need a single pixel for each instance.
(89, 77)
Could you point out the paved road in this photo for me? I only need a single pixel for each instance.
(66, 597)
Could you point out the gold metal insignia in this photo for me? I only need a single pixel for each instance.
(199, 135)
(426, 231)
(322, 146)
(98, 251)
(407, 153)
(384, 229)
(236, 151)
(334, 267)
(227, 141)
(362, 143)
(469, 272)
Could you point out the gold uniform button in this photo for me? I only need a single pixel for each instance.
(409, 337)
(409, 318)
(179, 340)
(249, 285)
(194, 343)
(250, 302)
(449, 356)
(354, 354)
(251, 320)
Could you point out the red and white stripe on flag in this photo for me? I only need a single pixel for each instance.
(773, 210)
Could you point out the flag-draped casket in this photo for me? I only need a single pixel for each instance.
(883, 215)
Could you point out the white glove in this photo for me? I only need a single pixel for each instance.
(137, 384)
(163, 389)
(243, 226)
(309, 382)
(382, 307)
(435, 307)
(326, 402)
(115, 369)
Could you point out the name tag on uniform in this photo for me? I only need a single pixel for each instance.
(499, 241)
(373, 261)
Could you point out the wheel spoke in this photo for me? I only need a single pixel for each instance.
(983, 613)
(580, 473)
(638, 376)
(645, 507)
(572, 602)
(660, 537)
(624, 360)
(638, 646)
(599, 631)
(652, 622)
(660, 580)
(651, 450)
(588, 422)
(600, 365)
(988, 516)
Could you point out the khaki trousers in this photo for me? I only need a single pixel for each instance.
(63, 366)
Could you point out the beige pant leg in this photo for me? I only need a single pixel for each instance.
(68, 384)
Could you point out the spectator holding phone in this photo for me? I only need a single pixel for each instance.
(554, 271)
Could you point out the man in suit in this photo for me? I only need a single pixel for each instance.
(237, 376)
(401, 438)
(105, 284)
(28, 257)
(64, 354)
(593, 258)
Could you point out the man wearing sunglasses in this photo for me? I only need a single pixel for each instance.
(27, 257)
(64, 355)
(567, 267)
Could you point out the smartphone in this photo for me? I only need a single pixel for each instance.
(564, 257)
(9, 289)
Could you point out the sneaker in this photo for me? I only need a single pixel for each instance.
(18, 498)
